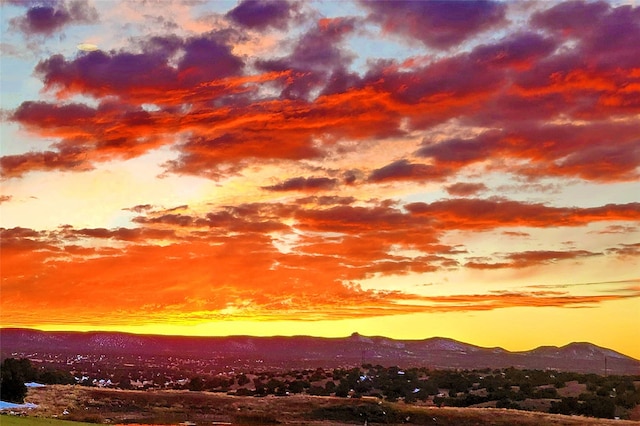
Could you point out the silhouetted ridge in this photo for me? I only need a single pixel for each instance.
(311, 352)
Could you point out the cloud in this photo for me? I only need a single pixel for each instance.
(404, 170)
(465, 189)
(617, 229)
(87, 136)
(139, 208)
(140, 279)
(571, 18)
(140, 76)
(304, 184)
(222, 112)
(5, 198)
(124, 234)
(317, 59)
(516, 234)
(528, 259)
(262, 14)
(440, 24)
(543, 110)
(17, 165)
(47, 18)
(625, 250)
(306, 255)
(585, 150)
(470, 213)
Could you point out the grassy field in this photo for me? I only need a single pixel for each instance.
(112, 406)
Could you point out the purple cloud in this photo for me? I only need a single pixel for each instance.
(261, 14)
(48, 18)
(317, 59)
(440, 24)
(125, 74)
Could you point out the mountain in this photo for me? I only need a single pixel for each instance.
(311, 352)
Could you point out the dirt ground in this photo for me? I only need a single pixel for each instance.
(111, 406)
(573, 389)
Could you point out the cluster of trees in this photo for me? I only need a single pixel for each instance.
(507, 387)
(602, 396)
(14, 373)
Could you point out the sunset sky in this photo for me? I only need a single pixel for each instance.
(408, 169)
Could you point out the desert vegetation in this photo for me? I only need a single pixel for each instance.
(374, 393)
(527, 390)
(122, 407)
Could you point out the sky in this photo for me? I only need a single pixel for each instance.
(406, 169)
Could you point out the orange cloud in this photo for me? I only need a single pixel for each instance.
(194, 266)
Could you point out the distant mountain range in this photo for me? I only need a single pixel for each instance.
(311, 352)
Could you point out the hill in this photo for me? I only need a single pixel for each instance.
(306, 351)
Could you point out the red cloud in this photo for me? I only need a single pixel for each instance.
(465, 213)
(531, 258)
(600, 152)
(464, 189)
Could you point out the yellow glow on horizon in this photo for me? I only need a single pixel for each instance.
(608, 326)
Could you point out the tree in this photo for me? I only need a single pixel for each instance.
(297, 386)
(12, 377)
(124, 382)
(342, 390)
(196, 384)
(243, 380)
(56, 377)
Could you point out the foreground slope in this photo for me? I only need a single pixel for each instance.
(166, 407)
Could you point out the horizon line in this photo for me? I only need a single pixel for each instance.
(355, 333)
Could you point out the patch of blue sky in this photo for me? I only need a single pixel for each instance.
(368, 47)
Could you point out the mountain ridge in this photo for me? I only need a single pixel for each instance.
(433, 352)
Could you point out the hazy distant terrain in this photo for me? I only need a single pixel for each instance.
(311, 352)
